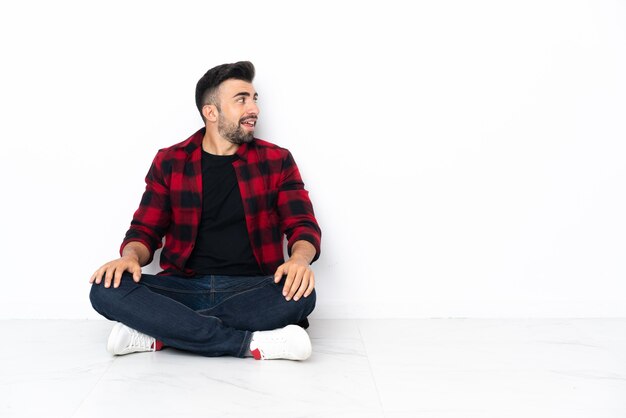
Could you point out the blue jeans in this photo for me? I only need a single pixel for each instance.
(208, 315)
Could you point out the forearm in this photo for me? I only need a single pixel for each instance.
(138, 251)
(303, 249)
(295, 211)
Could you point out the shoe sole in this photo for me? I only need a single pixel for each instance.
(113, 337)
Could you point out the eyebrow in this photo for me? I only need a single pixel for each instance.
(245, 93)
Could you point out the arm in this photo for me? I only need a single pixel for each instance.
(152, 219)
(148, 226)
(295, 210)
(303, 233)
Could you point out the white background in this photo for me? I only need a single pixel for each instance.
(465, 159)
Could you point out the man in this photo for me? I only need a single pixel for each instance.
(224, 201)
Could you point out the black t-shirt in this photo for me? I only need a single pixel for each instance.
(222, 246)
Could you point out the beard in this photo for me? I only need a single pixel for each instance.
(233, 132)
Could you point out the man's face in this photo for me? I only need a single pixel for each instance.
(239, 111)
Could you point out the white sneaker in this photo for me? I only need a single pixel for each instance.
(125, 340)
(291, 343)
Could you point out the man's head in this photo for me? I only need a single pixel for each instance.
(225, 97)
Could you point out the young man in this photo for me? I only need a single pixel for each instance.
(224, 200)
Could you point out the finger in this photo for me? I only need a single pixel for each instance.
(118, 277)
(296, 283)
(279, 273)
(98, 275)
(304, 285)
(291, 274)
(136, 273)
(108, 276)
(309, 290)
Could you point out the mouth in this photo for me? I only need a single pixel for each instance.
(249, 123)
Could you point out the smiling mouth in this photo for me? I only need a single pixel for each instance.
(250, 122)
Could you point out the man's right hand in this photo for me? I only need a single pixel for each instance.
(134, 255)
(113, 270)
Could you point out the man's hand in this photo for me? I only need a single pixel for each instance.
(300, 279)
(113, 271)
(134, 255)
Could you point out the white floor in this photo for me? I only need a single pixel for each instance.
(359, 368)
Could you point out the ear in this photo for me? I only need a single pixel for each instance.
(210, 112)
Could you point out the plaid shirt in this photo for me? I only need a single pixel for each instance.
(275, 204)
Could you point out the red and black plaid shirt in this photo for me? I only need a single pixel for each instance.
(274, 201)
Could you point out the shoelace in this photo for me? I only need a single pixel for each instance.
(139, 340)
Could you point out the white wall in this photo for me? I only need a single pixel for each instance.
(465, 159)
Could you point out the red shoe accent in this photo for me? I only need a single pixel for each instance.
(158, 345)
(256, 354)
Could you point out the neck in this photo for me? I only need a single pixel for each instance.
(215, 144)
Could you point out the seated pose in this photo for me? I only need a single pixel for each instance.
(224, 201)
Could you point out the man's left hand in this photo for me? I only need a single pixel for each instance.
(300, 279)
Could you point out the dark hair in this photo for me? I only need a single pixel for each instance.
(210, 81)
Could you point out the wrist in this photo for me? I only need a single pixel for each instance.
(131, 257)
(301, 258)
(304, 250)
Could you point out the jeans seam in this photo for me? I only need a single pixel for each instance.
(245, 344)
(169, 289)
(227, 299)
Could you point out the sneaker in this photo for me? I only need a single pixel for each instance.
(125, 340)
(291, 343)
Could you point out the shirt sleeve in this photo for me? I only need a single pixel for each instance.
(295, 210)
(152, 218)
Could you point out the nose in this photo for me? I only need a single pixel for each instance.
(253, 109)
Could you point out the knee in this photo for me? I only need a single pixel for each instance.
(301, 308)
(97, 296)
(308, 303)
(104, 299)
